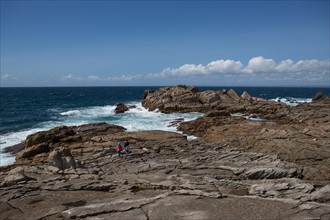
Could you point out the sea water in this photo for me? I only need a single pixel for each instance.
(25, 111)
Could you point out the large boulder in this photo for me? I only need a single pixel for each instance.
(62, 159)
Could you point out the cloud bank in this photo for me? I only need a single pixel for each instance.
(256, 65)
(8, 77)
(257, 69)
(94, 78)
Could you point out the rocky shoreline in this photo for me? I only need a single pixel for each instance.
(237, 168)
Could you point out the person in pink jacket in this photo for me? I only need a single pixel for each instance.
(119, 149)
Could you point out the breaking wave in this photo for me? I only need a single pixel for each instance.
(135, 119)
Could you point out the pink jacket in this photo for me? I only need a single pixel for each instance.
(119, 148)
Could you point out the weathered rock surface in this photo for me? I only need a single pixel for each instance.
(186, 99)
(62, 159)
(302, 136)
(246, 96)
(165, 177)
(38, 145)
(240, 167)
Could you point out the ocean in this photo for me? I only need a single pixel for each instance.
(24, 111)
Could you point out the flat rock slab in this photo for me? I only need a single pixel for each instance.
(192, 207)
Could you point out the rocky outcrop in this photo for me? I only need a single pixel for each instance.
(171, 99)
(188, 99)
(39, 145)
(121, 108)
(54, 135)
(62, 159)
(317, 96)
(147, 92)
(34, 150)
(233, 94)
(246, 96)
(293, 134)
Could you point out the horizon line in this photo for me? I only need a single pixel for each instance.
(249, 86)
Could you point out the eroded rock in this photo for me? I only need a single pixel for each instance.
(62, 159)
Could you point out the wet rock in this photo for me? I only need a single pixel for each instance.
(216, 113)
(121, 108)
(15, 148)
(176, 122)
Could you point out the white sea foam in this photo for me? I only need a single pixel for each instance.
(72, 112)
(136, 119)
(291, 100)
(91, 112)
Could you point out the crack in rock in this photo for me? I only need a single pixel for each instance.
(119, 205)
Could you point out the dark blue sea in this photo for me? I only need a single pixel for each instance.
(24, 111)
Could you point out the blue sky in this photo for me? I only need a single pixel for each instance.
(131, 43)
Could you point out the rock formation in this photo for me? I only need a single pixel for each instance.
(189, 99)
(238, 167)
(121, 108)
(317, 96)
(245, 95)
(62, 159)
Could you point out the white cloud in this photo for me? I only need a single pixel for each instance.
(122, 78)
(5, 76)
(256, 66)
(260, 65)
(224, 66)
(8, 77)
(71, 77)
(214, 67)
(93, 78)
(90, 78)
